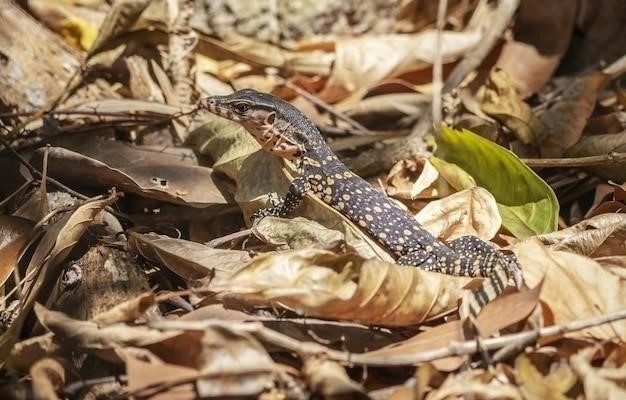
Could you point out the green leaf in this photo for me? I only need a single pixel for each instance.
(527, 204)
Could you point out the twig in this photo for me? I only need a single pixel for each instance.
(35, 172)
(437, 66)
(16, 192)
(327, 107)
(377, 357)
(225, 239)
(588, 161)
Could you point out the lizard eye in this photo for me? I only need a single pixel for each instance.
(241, 107)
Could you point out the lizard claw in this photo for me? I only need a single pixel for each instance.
(515, 272)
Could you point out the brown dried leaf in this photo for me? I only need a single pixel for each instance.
(469, 212)
(175, 183)
(14, 234)
(567, 118)
(190, 260)
(413, 179)
(348, 287)
(36, 63)
(533, 55)
(502, 102)
(602, 235)
(87, 335)
(602, 145)
(575, 287)
(174, 381)
(499, 314)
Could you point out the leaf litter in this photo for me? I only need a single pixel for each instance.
(130, 269)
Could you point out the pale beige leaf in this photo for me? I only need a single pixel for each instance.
(320, 283)
(602, 383)
(536, 386)
(575, 287)
(128, 310)
(475, 383)
(602, 235)
(297, 233)
(48, 377)
(329, 379)
(416, 179)
(14, 235)
(502, 102)
(361, 62)
(469, 212)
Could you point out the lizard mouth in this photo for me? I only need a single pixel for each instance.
(276, 143)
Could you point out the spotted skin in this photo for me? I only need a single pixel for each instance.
(291, 135)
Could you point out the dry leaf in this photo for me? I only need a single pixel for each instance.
(532, 56)
(320, 283)
(600, 383)
(121, 17)
(476, 384)
(602, 235)
(469, 212)
(127, 311)
(190, 260)
(329, 380)
(413, 179)
(14, 235)
(499, 314)
(42, 270)
(601, 145)
(361, 62)
(535, 386)
(575, 287)
(176, 183)
(297, 233)
(566, 119)
(48, 377)
(502, 102)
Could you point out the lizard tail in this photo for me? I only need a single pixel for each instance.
(494, 284)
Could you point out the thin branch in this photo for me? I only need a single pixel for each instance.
(377, 357)
(322, 104)
(438, 65)
(604, 160)
(38, 174)
(225, 239)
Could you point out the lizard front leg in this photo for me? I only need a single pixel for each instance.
(285, 205)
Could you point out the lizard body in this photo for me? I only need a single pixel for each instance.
(283, 130)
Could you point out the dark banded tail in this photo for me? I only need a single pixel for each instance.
(494, 284)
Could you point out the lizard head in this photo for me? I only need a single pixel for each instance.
(277, 125)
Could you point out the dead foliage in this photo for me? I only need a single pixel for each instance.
(129, 268)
